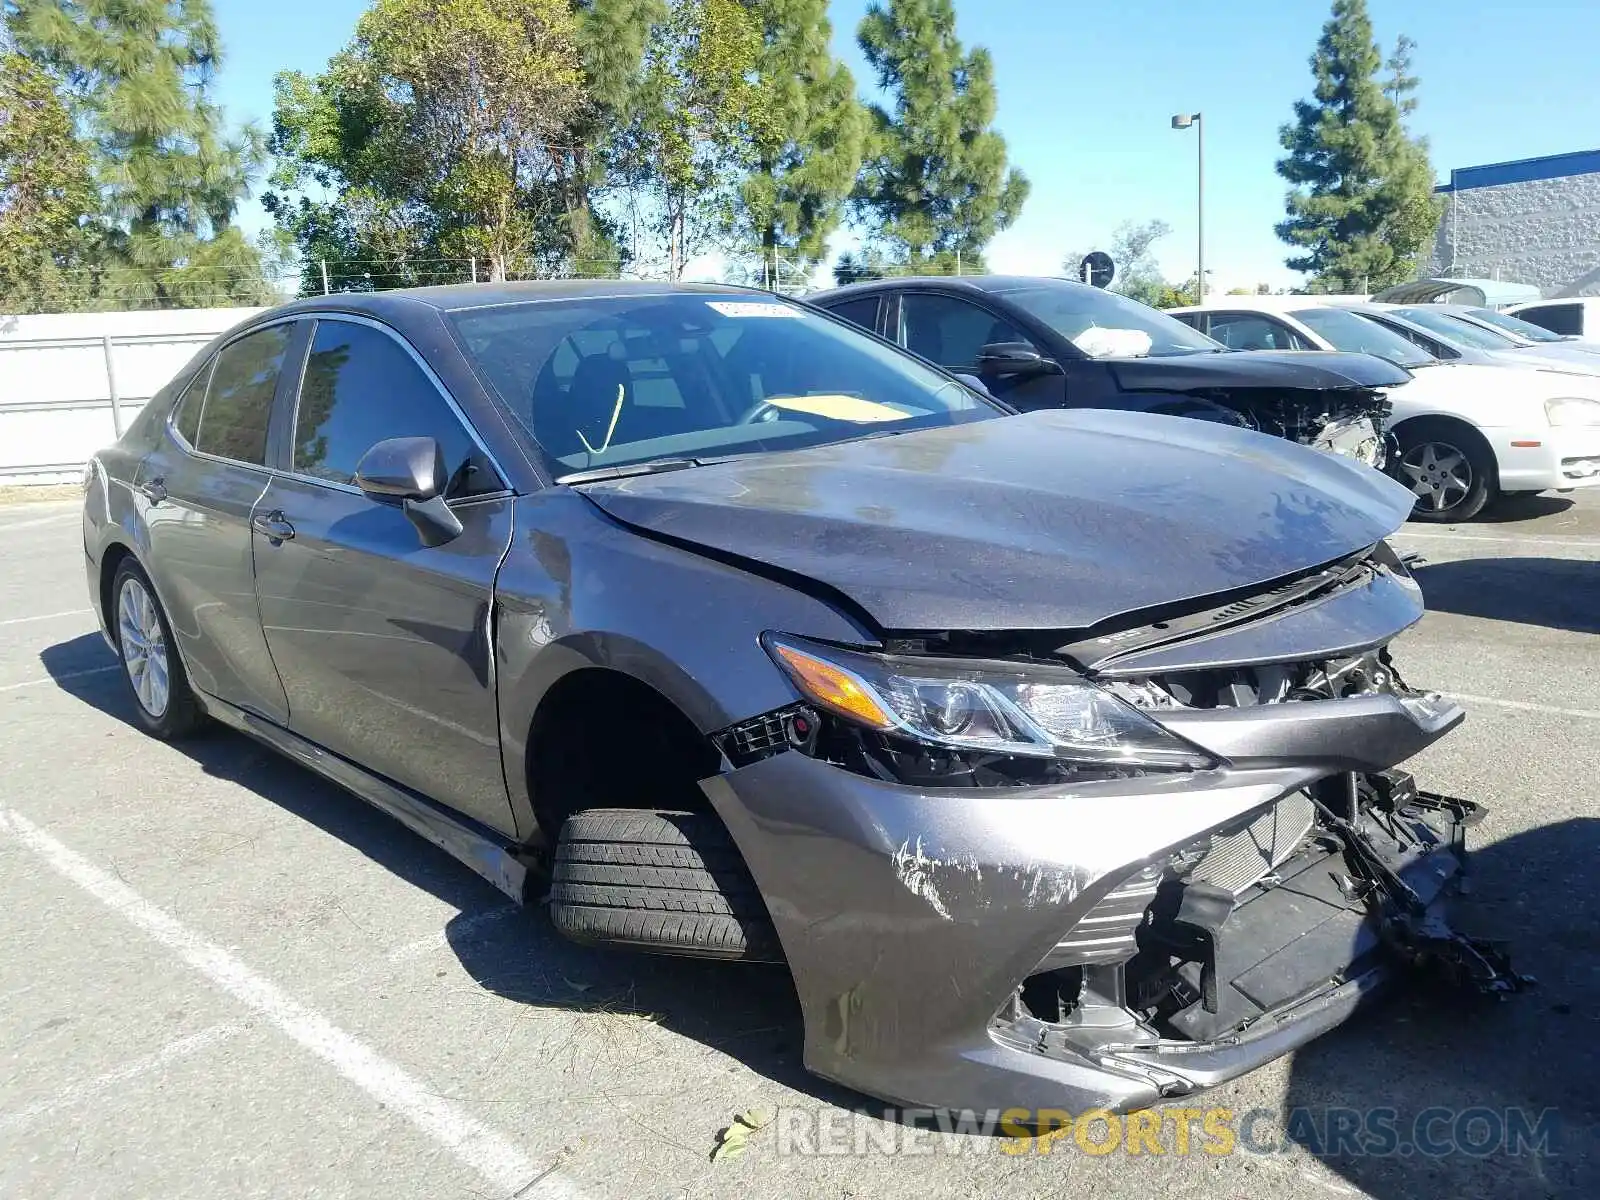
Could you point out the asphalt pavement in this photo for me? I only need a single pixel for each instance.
(221, 976)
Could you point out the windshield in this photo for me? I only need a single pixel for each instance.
(610, 381)
(1346, 331)
(1103, 324)
(1454, 329)
(1515, 326)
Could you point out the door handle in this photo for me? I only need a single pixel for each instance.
(273, 526)
(154, 490)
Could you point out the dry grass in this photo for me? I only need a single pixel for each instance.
(34, 493)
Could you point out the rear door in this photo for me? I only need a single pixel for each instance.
(197, 491)
(384, 645)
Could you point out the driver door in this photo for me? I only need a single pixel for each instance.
(384, 645)
(951, 331)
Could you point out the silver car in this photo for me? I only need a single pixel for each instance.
(1054, 754)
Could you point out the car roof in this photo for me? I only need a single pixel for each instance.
(985, 284)
(456, 297)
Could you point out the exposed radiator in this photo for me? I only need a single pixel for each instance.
(1241, 855)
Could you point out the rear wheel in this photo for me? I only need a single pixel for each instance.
(162, 699)
(1447, 467)
(668, 882)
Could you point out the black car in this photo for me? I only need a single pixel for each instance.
(1048, 343)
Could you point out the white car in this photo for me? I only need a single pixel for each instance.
(1440, 324)
(1465, 433)
(1577, 317)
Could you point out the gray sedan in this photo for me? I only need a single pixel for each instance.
(1053, 754)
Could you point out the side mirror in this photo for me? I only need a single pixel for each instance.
(408, 468)
(1014, 358)
(412, 471)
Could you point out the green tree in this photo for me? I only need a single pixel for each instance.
(699, 115)
(137, 76)
(45, 192)
(436, 137)
(807, 149)
(1361, 206)
(936, 179)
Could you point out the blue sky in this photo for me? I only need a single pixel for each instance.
(1087, 90)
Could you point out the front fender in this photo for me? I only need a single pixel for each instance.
(577, 591)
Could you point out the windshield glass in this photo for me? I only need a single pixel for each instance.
(1103, 324)
(610, 381)
(1515, 326)
(1454, 329)
(1346, 331)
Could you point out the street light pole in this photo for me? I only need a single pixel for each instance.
(1183, 121)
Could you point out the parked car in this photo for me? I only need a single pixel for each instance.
(1465, 433)
(1028, 743)
(1578, 317)
(1523, 331)
(1049, 343)
(1449, 332)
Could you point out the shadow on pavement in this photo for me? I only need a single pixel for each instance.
(1560, 593)
(748, 1012)
(1430, 1053)
(1523, 508)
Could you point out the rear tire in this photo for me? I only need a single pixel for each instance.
(162, 698)
(664, 882)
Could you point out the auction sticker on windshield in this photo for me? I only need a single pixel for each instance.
(754, 308)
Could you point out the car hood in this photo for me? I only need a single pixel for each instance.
(1312, 369)
(1051, 520)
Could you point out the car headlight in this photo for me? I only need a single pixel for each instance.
(1003, 709)
(1572, 410)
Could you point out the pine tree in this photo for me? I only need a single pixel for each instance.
(936, 180)
(809, 149)
(138, 76)
(1361, 208)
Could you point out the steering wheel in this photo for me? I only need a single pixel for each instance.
(759, 412)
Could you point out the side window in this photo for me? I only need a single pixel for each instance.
(1248, 331)
(948, 330)
(1557, 318)
(863, 312)
(360, 387)
(238, 405)
(186, 417)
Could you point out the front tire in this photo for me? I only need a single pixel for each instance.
(665, 882)
(1447, 467)
(162, 699)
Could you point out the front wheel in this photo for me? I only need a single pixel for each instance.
(1450, 471)
(162, 698)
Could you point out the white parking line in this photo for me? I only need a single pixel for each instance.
(95, 1089)
(11, 687)
(1525, 706)
(71, 612)
(12, 526)
(1576, 543)
(485, 1150)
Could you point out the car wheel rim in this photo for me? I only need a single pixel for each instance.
(1439, 473)
(144, 648)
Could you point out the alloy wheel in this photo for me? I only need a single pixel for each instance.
(1440, 474)
(144, 647)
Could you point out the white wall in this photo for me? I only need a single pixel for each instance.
(1545, 232)
(55, 390)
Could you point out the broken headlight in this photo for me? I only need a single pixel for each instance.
(981, 711)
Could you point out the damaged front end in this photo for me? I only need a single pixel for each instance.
(1344, 421)
(998, 887)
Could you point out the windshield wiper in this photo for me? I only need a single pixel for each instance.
(649, 466)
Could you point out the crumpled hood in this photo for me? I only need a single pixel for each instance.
(1056, 519)
(1315, 370)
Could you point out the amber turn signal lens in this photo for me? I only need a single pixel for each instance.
(833, 687)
